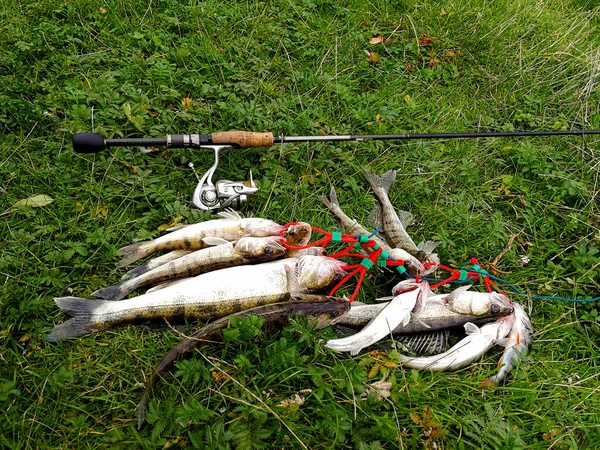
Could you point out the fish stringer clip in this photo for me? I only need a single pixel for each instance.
(224, 193)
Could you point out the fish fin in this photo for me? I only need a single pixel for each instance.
(406, 218)
(77, 306)
(428, 247)
(426, 343)
(230, 214)
(115, 292)
(490, 383)
(383, 181)
(384, 299)
(426, 325)
(133, 252)
(505, 342)
(73, 328)
(471, 328)
(293, 276)
(213, 241)
(456, 293)
(374, 217)
(332, 202)
(135, 272)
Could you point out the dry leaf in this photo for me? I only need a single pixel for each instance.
(407, 98)
(409, 67)
(35, 202)
(373, 57)
(101, 210)
(186, 102)
(381, 388)
(377, 40)
(424, 40)
(171, 224)
(293, 400)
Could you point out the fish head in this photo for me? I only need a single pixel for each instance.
(500, 304)
(319, 272)
(262, 227)
(431, 264)
(258, 248)
(298, 234)
(419, 289)
(412, 264)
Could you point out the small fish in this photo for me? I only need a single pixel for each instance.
(466, 351)
(397, 311)
(247, 250)
(517, 346)
(463, 301)
(393, 225)
(209, 295)
(190, 237)
(412, 264)
(325, 310)
(434, 316)
(154, 263)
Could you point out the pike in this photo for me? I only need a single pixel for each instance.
(322, 309)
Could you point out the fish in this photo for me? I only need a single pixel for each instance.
(516, 347)
(154, 263)
(393, 226)
(434, 316)
(463, 301)
(230, 227)
(322, 309)
(477, 342)
(246, 250)
(311, 251)
(396, 312)
(412, 264)
(209, 295)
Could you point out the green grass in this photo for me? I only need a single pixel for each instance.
(295, 68)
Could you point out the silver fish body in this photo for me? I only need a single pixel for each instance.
(464, 301)
(154, 263)
(210, 295)
(247, 250)
(517, 346)
(466, 351)
(395, 313)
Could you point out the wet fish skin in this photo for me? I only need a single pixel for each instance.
(154, 263)
(463, 301)
(434, 316)
(517, 347)
(190, 237)
(390, 317)
(210, 295)
(466, 351)
(412, 264)
(324, 310)
(246, 250)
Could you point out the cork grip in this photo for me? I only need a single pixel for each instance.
(243, 139)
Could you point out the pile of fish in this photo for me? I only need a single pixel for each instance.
(234, 267)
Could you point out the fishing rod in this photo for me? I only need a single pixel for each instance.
(226, 193)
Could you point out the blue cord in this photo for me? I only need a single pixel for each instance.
(516, 289)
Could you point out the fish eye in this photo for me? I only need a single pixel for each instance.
(337, 277)
(495, 308)
(291, 233)
(269, 250)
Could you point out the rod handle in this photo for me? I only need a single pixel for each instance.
(243, 139)
(89, 143)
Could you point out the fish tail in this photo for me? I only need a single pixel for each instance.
(73, 328)
(116, 292)
(133, 252)
(136, 271)
(83, 322)
(380, 182)
(332, 202)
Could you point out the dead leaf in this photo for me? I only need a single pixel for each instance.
(424, 40)
(186, 102)
(166, 226)
(372, 57)
(293, 400)
(409, 67)
(381, 388)
(36, 201)
(377, 40)
(101, 210)
(407, 98)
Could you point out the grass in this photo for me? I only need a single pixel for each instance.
(144, 69)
